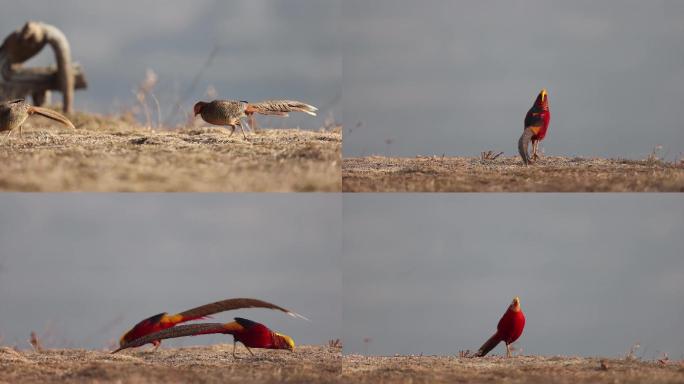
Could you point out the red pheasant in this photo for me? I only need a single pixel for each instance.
(164, 320)
(250, 333)
(508, 330)
(536, 124)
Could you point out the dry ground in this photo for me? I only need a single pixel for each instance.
(523, 369)
(107, 154)
(551, 174)
(316, 364)
(212, 364)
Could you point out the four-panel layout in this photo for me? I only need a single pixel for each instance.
(340, 104)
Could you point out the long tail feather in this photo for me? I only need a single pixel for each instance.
(231, 304)
(280, 107)
(175, 332)
(488, 345)
(523, 145)
(50, 114)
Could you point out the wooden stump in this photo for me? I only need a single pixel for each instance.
(19, 82)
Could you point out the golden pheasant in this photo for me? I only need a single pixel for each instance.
(536, 124)
(13, 115)
(164, 320)
(231, 112)
(250, 333)
(508, 330)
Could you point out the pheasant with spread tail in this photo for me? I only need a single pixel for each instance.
(250, 333)
(231, 112)
(508, 330)
(163, 321)
(13, 115)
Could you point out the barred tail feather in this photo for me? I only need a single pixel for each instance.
(175, 332)
(232, 304)
(50, 114)
(282, 107)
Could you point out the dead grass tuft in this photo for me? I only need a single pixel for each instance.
(489, 155)
(35, 343)
(335, 343)
(631, 354)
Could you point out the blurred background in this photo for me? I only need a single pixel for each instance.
(191, 50)
(433, 274)
(457, 77)
(80, 270)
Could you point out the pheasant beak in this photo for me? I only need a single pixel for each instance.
(515, 305)
(543, 95)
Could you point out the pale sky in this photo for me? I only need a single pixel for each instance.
(457, 77)
(80, 270)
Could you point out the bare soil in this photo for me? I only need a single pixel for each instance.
(521, 369)
(117, 154)
(213, 364)
(316, 364)
(508, 174)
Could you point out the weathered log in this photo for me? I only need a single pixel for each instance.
(27, 42)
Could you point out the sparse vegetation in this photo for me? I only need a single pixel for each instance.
(213, 364)
(490, 173)
(118, 154)
(321, 364)
(335, 343)
(35, 342)
(521, 369)
(489, 155)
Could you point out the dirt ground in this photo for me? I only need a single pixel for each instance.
(213, 364)
(316, 364)
(522, 369)
(507, 174)
(117, 154)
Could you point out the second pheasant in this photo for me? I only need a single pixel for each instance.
(230, 112)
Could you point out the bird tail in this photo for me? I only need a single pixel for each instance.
(281, 107)
(488, 345)
(178, 331)
(523, 145)
(231, 304)
(50, 114)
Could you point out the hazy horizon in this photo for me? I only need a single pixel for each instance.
(457, 77)
(433, 273)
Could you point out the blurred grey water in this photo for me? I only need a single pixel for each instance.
(457, 77)
(81, 269)
(268, 49)
(433, 274)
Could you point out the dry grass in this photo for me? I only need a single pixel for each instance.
(106, 154)
(213, 364)
(522, 369)
(506, 174)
